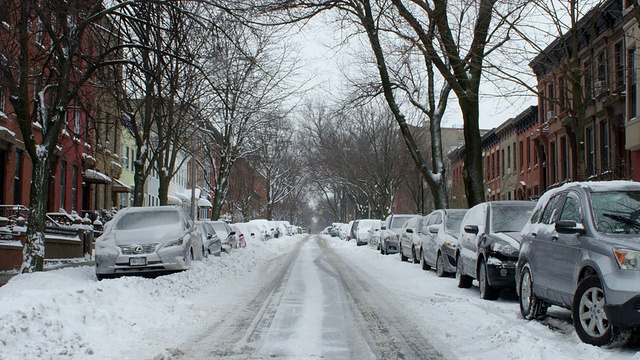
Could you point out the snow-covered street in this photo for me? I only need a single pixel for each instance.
(300, 297)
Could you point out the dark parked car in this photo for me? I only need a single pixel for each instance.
(581, 251)
(212, 243)
(440, 240)
(488, 245)
(149, 240)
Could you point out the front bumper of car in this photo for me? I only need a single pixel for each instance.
(111, 261)
(390, 245)
(449, 258)
(501, 273)
(622, 292)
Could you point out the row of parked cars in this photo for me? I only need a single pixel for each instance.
(163, 239)
(577, 247)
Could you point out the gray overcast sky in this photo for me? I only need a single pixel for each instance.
(319, 49)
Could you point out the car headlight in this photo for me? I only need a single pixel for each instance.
(627, 259)
(503, 248)
(178, 242)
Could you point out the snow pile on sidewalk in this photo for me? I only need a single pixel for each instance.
(66, 313)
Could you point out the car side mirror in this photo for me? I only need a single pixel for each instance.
(232, 233)
(210, 236)
(383, 228)
(569, 227)
(409, 231)
(471, 229)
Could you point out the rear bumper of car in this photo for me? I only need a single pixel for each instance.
(501, 274)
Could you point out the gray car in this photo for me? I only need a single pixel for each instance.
(390, 232)
(440, 240)
(581, 251)
(488, 245)
(212, 243)
(147, 241)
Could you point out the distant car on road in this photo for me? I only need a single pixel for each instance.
(148, 240)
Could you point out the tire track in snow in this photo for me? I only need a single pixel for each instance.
(390, 334)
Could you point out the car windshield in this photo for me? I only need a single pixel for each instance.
(147, 219)
(398, 221)
(616, 212)
(454, 219)
(510, 218)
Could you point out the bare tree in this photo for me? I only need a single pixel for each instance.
(45, 51)
(246, 74)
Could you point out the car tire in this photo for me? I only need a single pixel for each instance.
(440, 265)
(423, 262)
(205, 253)
(464, 281)
(530, 306)
(382, 250)
(402, 257)
(588, 306)
(487, 292)
(414, 258)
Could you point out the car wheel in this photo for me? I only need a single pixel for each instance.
(414, 258)
(205, 253)
(530, 306)
(402, 257)
(487, 292)
(464, 281)
(590, 319)
(382, 249)
(423, 262)
(440, 265)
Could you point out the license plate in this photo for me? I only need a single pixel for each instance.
(138, 261)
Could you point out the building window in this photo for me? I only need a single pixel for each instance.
(497, 163)
(564, 157)
(543, 114)
(509, 158)
(74, 188)
(632, 97)
(602, 67)
(521, 155)
(63, 184)
(619, 64)
(17, 178)
(591, 154)
(502, 163)
(550, 96)
(528, 153)
(588, 80)
(553, 159)
(604, 145)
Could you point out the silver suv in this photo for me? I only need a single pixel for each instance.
(581, 251)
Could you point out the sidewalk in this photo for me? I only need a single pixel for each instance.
(48, 266)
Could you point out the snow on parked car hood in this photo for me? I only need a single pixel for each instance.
(67, 314)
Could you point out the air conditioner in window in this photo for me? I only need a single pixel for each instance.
(551, 115)
(599, 88)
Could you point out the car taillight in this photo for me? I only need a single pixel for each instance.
(241, 237)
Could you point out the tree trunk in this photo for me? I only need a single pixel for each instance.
(34, 246)
(472, 173)
(163, 190)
